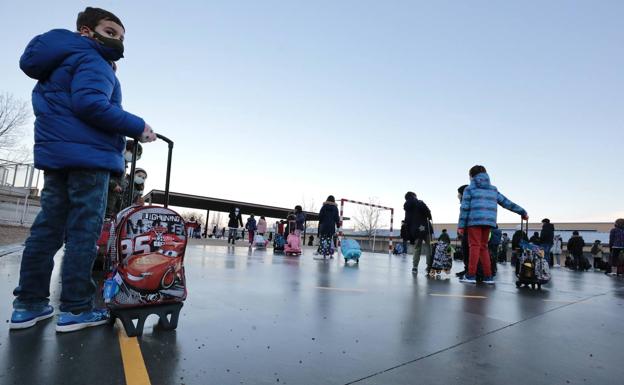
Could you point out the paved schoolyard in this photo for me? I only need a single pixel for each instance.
(257, 318)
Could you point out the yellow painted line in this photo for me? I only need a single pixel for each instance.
(458, 296)
(134, 366)
(341, 289)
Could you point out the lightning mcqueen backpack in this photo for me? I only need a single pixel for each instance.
(146, 256)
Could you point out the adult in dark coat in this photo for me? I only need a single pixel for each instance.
(464, 239)
(329, 220)
(547, 238)
(417, 220)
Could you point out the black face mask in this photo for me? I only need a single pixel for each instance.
(113, 48)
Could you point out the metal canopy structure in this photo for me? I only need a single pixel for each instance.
(222, 205)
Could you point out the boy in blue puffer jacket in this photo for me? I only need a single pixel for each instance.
(80, 131)
(478, 216)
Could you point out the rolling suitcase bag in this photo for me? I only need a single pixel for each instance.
(146, 263)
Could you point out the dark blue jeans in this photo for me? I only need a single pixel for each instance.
(547, 247)
(72, 211)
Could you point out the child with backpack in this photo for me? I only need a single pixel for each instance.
(596, 252)
(251, 226)
(80, 130)
(478, 217)
(329, 220)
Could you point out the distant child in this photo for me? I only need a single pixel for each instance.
(236, 221)
(80, 131)
(557, 250)
(495, 240)
(575, 247)
(404, 237)
(300, 220)
(118, 183)
(251, 227)
(138, 184)
(596, 252)
(478, 217)
(444, 237)
(262, 226)
(502, 256)
(329, 221)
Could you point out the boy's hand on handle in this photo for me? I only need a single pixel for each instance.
(148, 134)
(525, 217)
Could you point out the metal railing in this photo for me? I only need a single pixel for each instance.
(19, 192)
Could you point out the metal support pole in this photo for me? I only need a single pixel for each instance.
(340, 235)
(305, 229)
(374, 238)
(135, 148)
(390, 247)
(31, 177)
(206, 227)
(37, 182)
(14, 175)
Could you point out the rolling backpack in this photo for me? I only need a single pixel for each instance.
(279, 243)
(350, 249)
(146, 263)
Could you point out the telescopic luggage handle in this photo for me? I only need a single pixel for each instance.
(526, 229)
(168, 176)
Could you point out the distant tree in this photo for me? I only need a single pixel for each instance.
(14, 115)
(217, 220)
(199, 217)
(367, 219)
(308, 204)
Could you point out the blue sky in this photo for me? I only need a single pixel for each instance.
(279, 101)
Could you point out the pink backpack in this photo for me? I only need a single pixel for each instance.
(293, 242)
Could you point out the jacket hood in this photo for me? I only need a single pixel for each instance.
(481, 180)
(47, 51)
(330, 203)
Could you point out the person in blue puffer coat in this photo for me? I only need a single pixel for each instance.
(478, 216)
(80, 131)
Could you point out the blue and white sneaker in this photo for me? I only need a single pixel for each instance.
(468, 279)
(22, 319)
(488, 280)
(69, 322)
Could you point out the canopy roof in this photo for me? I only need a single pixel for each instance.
(222, 205)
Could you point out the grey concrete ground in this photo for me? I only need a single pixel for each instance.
(257, 318)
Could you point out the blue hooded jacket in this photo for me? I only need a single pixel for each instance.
(480, 202)
(79, 123)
